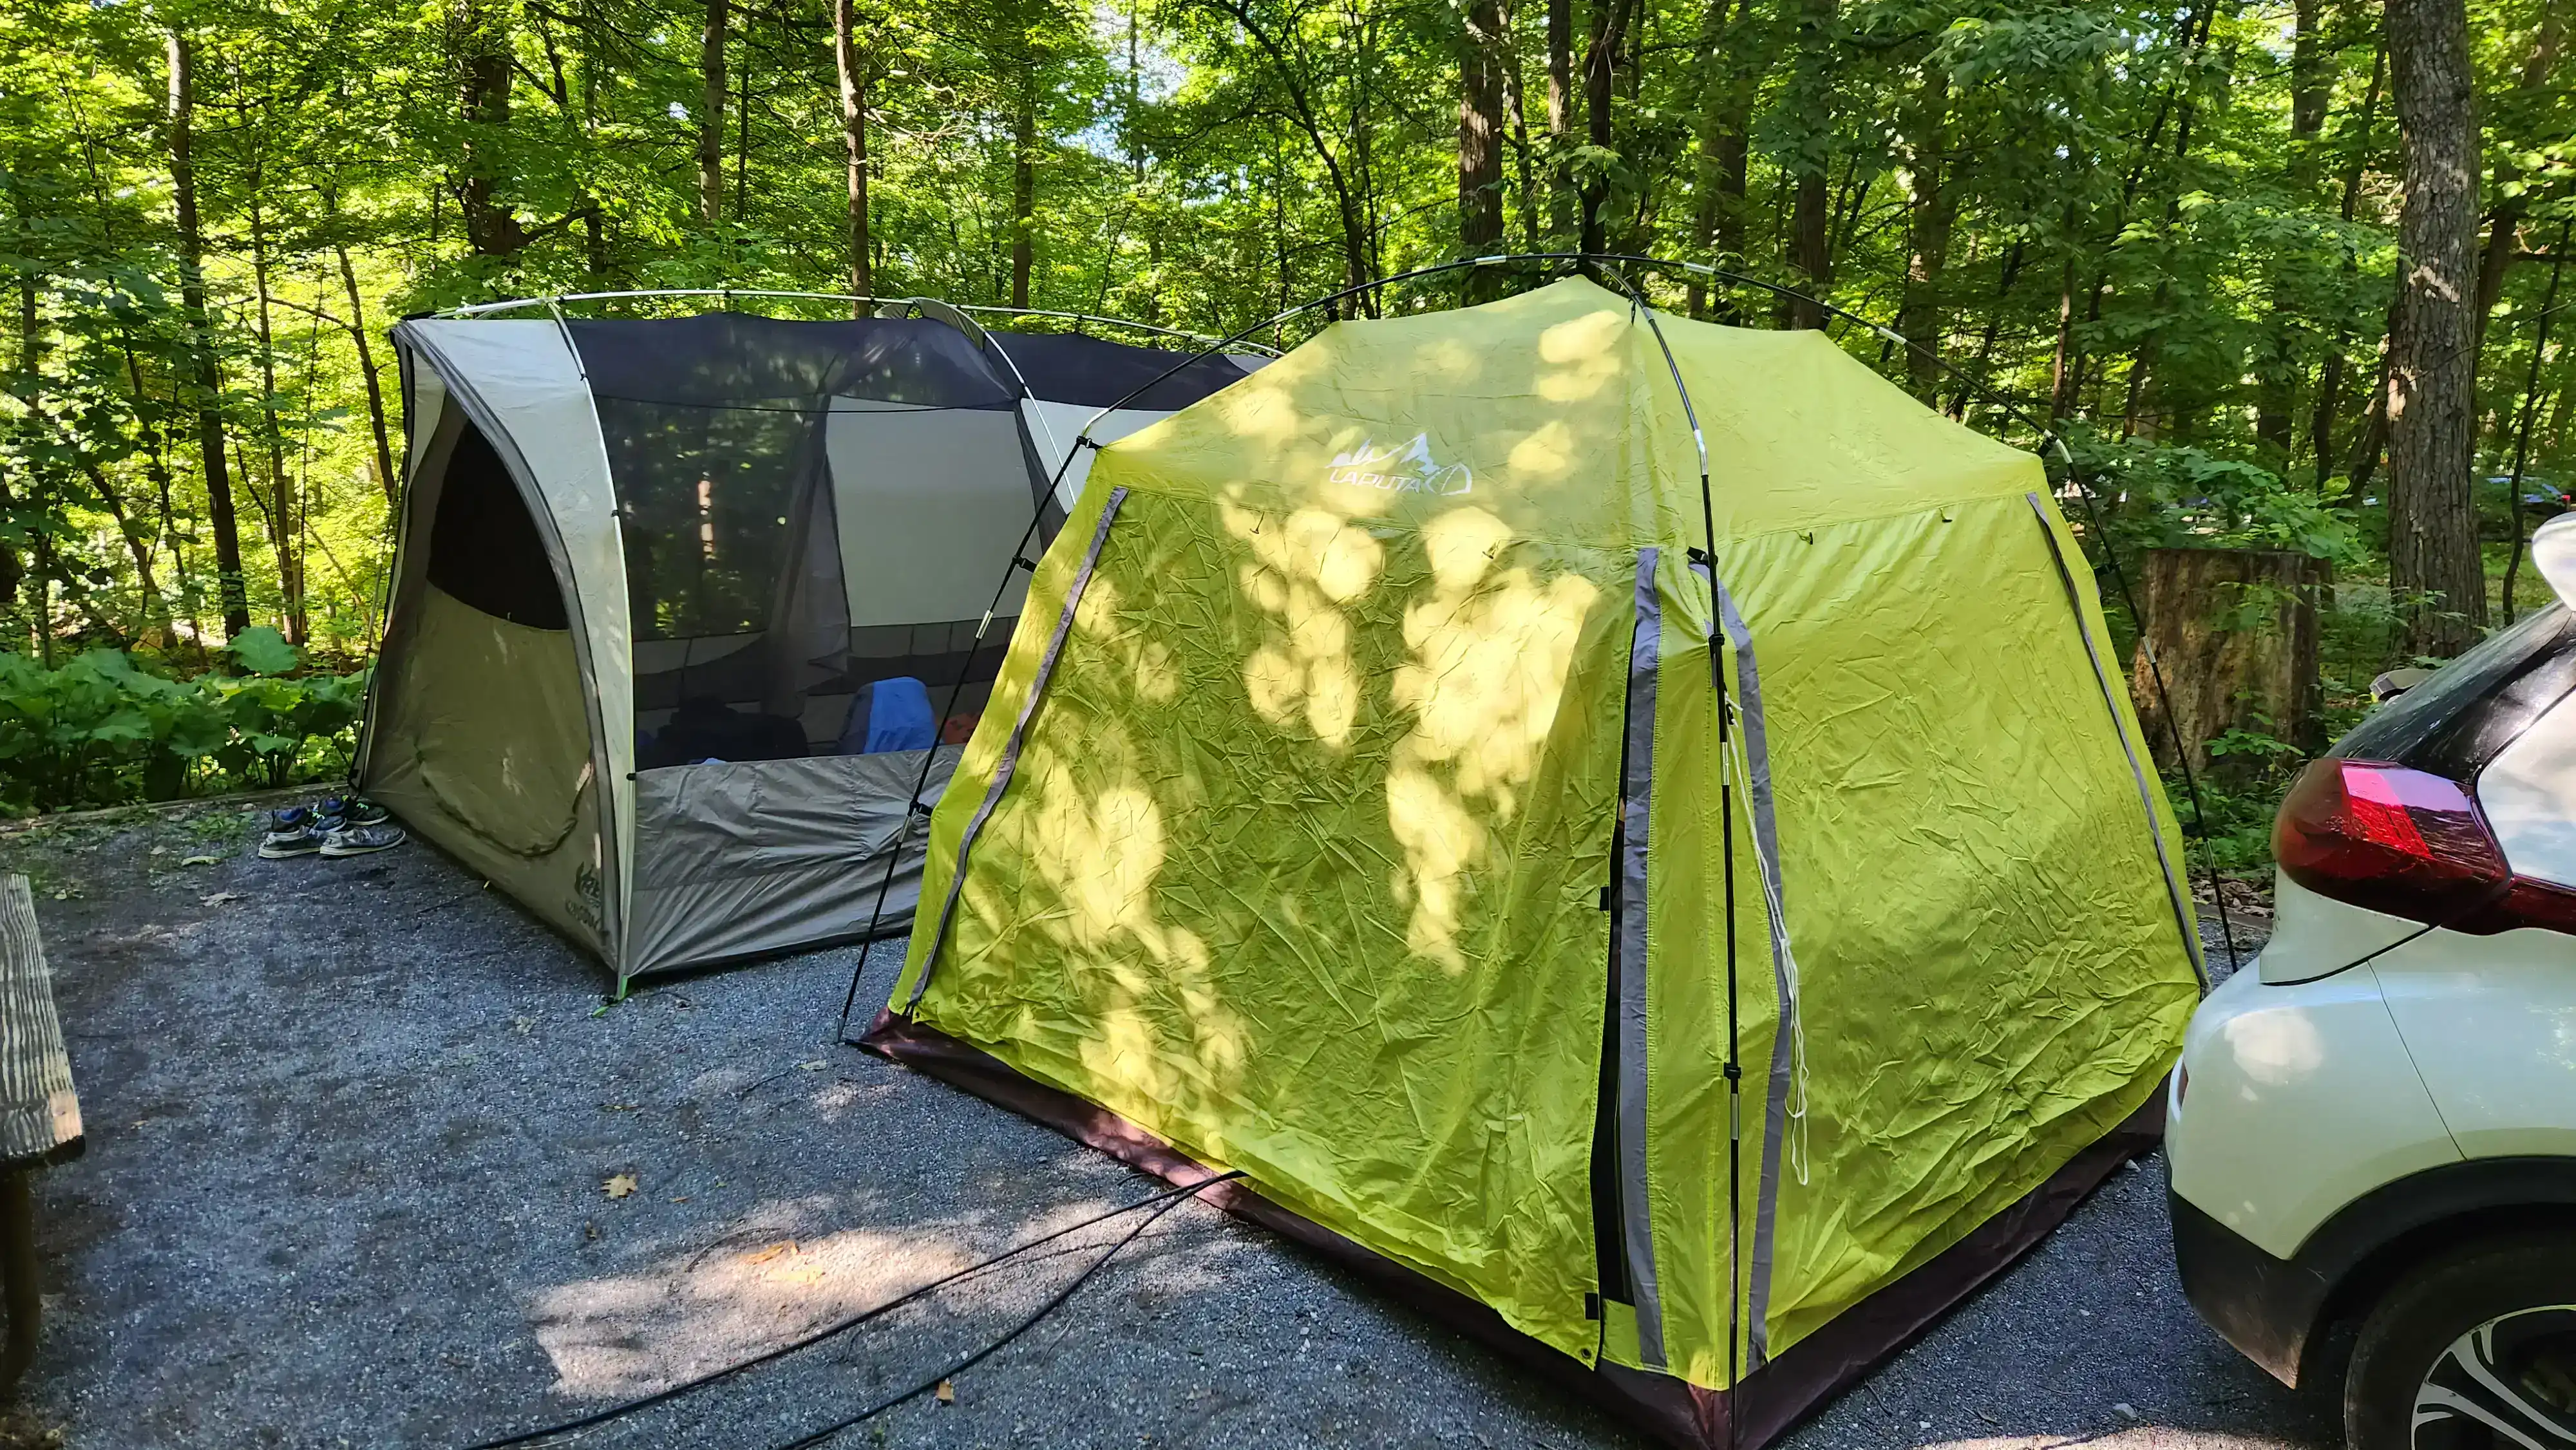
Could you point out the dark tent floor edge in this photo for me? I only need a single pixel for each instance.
(1770, 1400)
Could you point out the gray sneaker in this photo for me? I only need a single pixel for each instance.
(363, 840)
(291, 832)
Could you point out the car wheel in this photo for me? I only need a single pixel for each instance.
(2475, 1350)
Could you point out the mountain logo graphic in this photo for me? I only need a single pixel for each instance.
(1409, 469)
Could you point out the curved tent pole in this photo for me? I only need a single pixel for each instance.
(1976, 384)
(1638, 307)
(957, 687)
(728, 294)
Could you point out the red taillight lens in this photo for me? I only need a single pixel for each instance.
(2390, 839)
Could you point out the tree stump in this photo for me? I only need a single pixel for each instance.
(2233, 632)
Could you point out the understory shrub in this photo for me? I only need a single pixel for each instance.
(104, 729)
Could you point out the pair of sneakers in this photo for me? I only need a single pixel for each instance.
(336, 826)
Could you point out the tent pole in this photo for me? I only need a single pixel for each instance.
(1737, 1284)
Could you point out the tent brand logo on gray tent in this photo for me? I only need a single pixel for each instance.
(1409, 469)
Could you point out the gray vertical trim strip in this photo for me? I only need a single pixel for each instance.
(2184, 918)
(1766, 842)
(1010, 760)
(1636, 800)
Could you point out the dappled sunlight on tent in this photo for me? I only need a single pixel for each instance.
(1583, 354)
(1484, 681)
(1301, 567)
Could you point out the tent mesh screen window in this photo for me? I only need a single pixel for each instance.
(808, 509)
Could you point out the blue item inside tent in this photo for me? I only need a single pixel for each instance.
(891, 715)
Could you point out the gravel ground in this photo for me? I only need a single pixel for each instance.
(354, 1126)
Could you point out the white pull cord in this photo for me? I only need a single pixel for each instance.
(1795, 1021)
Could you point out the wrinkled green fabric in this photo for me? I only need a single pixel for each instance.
(1301, 865)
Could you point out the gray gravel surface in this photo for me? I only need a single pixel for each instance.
(353, 1127)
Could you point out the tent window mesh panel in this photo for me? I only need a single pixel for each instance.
(784, 491)
(484, 548)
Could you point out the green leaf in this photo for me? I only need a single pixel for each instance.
(263, 651)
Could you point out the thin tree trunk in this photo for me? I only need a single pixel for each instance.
(2432, 521)
(1930, 214)
(711, 110)
(2513, 203)
(2330, 378)
(481, 41)
(1810, 238)
(386, 477)
(282, 532)
(854, 144)
(1516, 115)
(2530, 407)
(1024, 185)
(1560, 115)
(2277, 369)
(1717, 68)
(1600, 64)
(1480, 131)
(204, 376)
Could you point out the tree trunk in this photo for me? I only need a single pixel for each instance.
(283, 535)
(1516, 116)
(1931, 211)
(711, 111)
(2531, 407)
(1480, 133)
(481, 41)
(2432, 362)
(1480, 127)
(854, 143)
(2513, 203)
(2233, 634)
(2321, 422)
(1719, 68)
(1600, 68)
(2278, 369)
(1024, 185)
(386, 477)
(1560, 115)
(203, 374)
(1810, 236)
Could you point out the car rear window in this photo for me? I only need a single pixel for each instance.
(2453, 723)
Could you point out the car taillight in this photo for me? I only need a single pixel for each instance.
(2408, 844)
(2390, 839)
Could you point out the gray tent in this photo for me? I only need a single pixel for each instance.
(675, 601)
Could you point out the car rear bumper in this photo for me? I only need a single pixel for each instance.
(2264, 1306)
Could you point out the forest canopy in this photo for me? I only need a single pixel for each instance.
(2174, 230)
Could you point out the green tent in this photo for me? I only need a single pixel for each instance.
(1354, 812)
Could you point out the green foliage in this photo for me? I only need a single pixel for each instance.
(101, 730)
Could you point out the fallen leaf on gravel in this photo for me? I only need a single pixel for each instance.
(618, 1185)
(783, 1246)
(683, 1198)
(947, 1392)
(201, 860)
(816, 1065)
(220, 897)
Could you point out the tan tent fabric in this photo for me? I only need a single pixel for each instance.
(740, 860)
(501, 778)
(526, 378)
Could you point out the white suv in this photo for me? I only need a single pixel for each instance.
(2375, 1121)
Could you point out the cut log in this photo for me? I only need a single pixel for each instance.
(2233, 634)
